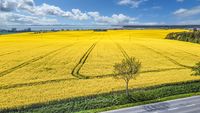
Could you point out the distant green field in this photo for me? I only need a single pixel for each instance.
(3, 33)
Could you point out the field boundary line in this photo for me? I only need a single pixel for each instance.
(3, 73)
(79, 65)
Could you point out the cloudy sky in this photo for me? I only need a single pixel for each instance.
(100, 12)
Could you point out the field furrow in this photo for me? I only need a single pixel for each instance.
(123, 51)
(101, 53)
(77, 68)
(182, 52)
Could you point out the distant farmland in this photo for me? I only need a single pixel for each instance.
(37, 68)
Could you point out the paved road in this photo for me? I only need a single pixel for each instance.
(186, 105)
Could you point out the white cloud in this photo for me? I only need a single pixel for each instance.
(8, 5)
(78, 15)
(149, 23)
(180, 11)
(187, 12)
(189, 22)
(43, 10)
(11, 13)
(10, 18)
(133, 3)
(33, 12)
(114, 19)
(188, 16)
(26, 4)
(46, 9)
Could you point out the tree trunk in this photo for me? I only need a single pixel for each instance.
(127, 91)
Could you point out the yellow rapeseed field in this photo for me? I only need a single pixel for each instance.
(50, 66)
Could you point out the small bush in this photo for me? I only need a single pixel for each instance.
(196, 69)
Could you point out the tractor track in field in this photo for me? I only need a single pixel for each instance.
(5, 87)
(29, 84)
(165, 56)
(123, 51)
(3, 73)
(142, 72)
(162, 70)
(127, 57)
(106, 75)
(189, 53)
(77, 68)
(79, 65)
(22, 50)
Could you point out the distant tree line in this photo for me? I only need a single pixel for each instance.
(14, 30)
(193, 36)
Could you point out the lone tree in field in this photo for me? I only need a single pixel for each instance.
(196, 69)
(128, 69)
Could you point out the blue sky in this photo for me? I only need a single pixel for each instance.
(100, 12)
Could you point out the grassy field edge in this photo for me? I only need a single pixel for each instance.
(141, 103)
